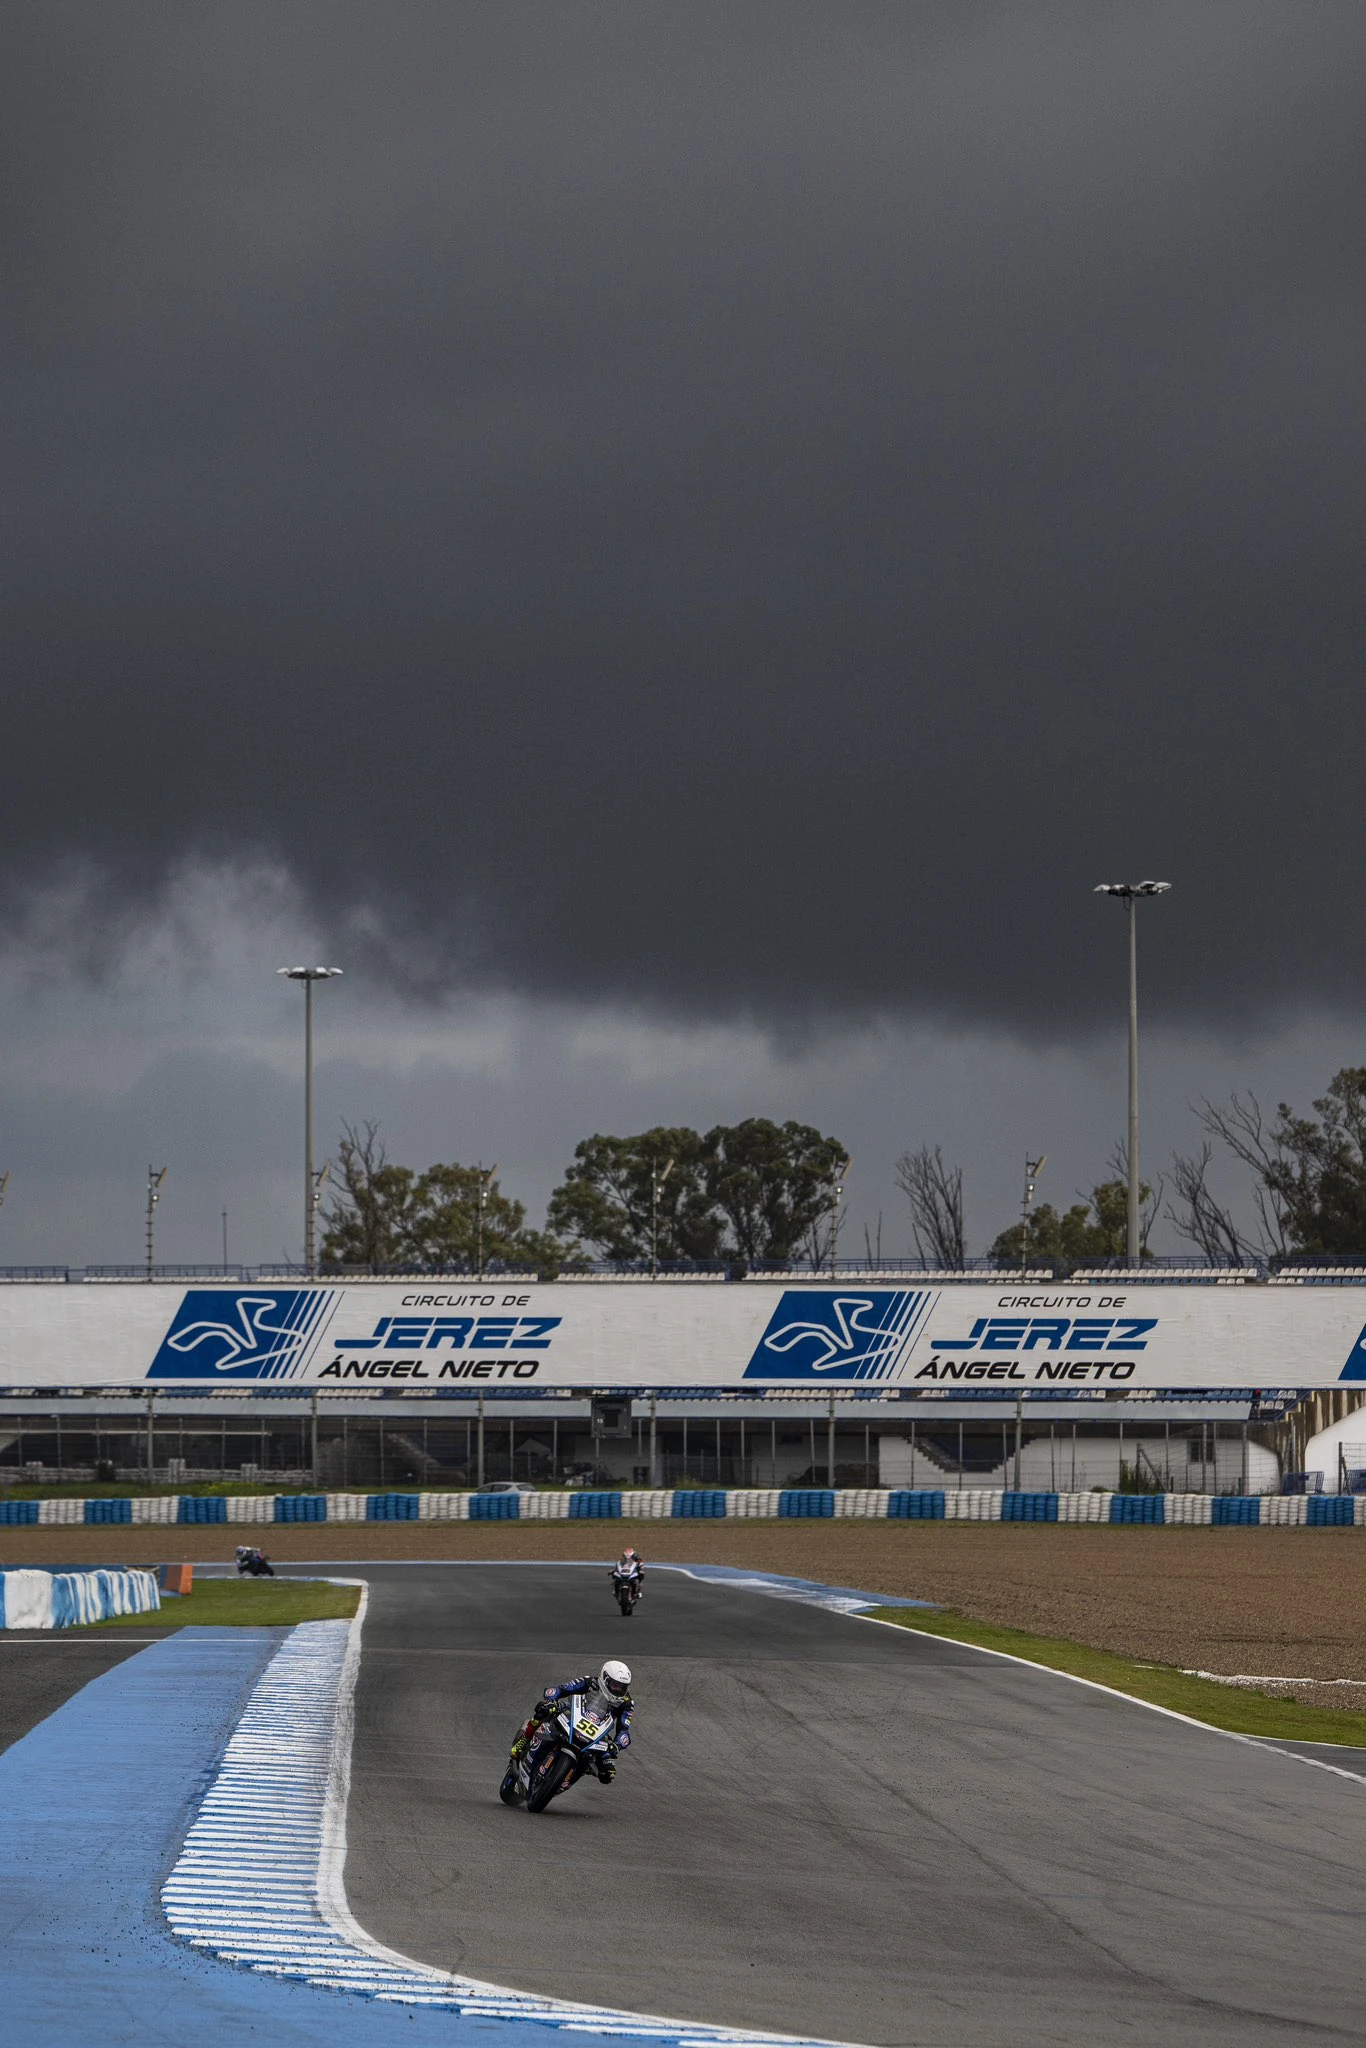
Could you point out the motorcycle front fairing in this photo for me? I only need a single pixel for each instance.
(583, 1728)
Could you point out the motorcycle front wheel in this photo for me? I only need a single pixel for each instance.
(552, 1778)
(509, 1791)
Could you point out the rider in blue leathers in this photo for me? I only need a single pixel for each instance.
(611, 1687)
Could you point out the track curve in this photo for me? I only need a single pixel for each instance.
(832, 1828)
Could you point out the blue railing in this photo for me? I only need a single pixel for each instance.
(1320, 1272)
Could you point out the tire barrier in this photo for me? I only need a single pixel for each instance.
(698, 1501)
(98, 1512)
(37, 1599)
(593, 1507)
(801, 1503)
(1033, 1507)
(208, 1508)
(493, 1507)
(301, 1507)
(909, 1504)
(1141, 1507)
(391, 1507)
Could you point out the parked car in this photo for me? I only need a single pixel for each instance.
(506, 1486)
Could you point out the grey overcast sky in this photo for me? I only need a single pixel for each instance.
(677, 542)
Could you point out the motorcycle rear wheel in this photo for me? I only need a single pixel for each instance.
(548, 1782)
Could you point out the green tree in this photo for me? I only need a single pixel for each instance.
(1088, 1233)
(463, 1222)
(605, 1199)
(383, 1215)
(369, 1219)
(1308, 1173)
(755, 1191)
(776, 1185)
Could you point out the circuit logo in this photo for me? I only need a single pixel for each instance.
(251, 1336)
(480, 1333)
(818, 1335)
(1355, 1368)
(1054, 1333)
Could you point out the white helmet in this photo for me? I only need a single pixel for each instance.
(615, 1679)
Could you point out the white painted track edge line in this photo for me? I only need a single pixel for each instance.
(1130, 1699)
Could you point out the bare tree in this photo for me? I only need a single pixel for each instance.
(368, 1221)
(935, 1193)
(1195, 1213)
(1242, 1127)
(1150, 1198)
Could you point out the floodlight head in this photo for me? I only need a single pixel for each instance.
(1128, 890)
(310, 973)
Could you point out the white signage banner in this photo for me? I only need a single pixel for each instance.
(449, 1335)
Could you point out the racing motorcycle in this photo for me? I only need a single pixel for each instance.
(254, 1561)
(626, 1587)
(577, 1738)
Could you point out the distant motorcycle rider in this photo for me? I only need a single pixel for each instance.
(611, 1686)
(630, 1565)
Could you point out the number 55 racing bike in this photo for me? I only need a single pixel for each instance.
(576, 1739)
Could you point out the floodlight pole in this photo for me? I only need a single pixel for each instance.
(657, 1180)
(485, 1186)
(1130, 892)
(312, 1181)
(155, 1176)
(1134, 1248)
(1033, 1168)
(836, 1216)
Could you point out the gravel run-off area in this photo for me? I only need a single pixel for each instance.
(1268, 1602)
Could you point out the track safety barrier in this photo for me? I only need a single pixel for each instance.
(38, 1599)
(910, 1504)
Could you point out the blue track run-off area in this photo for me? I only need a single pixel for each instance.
(95, 1803)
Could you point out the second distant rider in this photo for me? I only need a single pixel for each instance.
(630, 1565)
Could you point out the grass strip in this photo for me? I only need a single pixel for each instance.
(245, 1603)
(1238, 1708)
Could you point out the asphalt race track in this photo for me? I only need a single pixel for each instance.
(39, 1671)
(836, 1828)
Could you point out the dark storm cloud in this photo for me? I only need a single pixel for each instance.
(741, 508)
